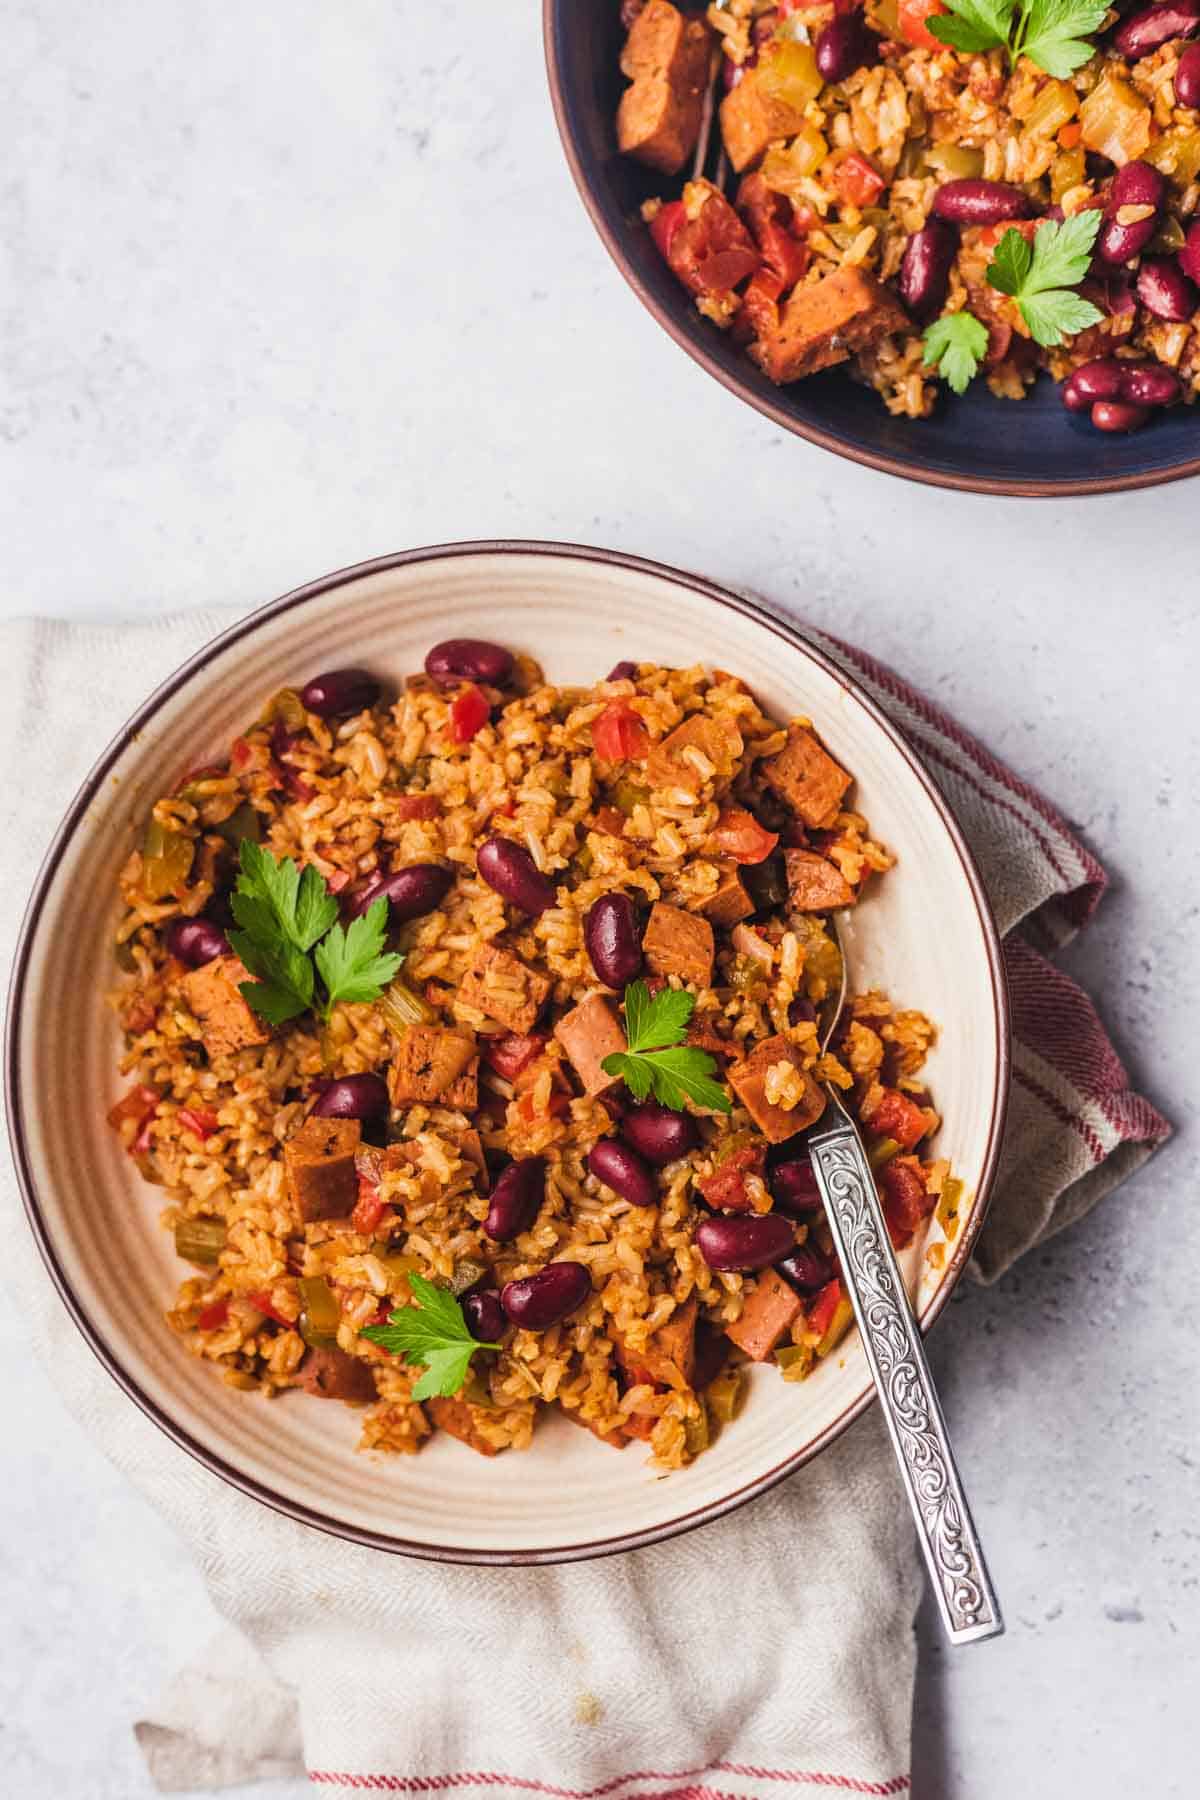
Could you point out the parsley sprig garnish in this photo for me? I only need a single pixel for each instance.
(657, 1061)
(431, 1334)
(289, 935)
(1040, 276)
(955, 345)
(1051, 33)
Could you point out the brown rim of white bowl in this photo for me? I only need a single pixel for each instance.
(83, 799)
(998, 486)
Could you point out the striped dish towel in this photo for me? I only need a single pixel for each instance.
(612, 1680)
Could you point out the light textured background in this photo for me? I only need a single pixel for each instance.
(287, 285)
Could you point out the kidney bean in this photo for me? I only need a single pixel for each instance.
(340, 692)
(658, 1133)
(538, 1301)
(749, 1241)
(845, 45)
(516, 1199)
(1136, 184)
(802, 1011)
(1092, 381)
(805, 1269)
(623, 1170)
(353, 1097)
(1148, 384)
(982, 202)
(614, 940)
(925, 268)
(196, 941)
(1165, 291)
(712, 1353)
(410, 892)
(1189, 256)
(794, 1187)
(1118, 415)
(509, 868)
(469, 659)
(1187, 78)
(1156, 25)
(485, 1316)
(623, 671)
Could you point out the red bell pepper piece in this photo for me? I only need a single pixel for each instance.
(618, 734)
(211, 1316)
(858, 181)
(738, 834)
(912, 16)
(200, 1120)
(262, 1302)
(665, 224)
(469, 712)
(820, 1314)
(368, 1208)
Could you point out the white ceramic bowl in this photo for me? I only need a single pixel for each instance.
(925, 933)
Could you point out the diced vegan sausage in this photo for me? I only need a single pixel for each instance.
(807, 778)
(730, 902)
(319, 1163)
(453, 1414)
(333, 1375)
(671, 1348)
(771, 1310)
(680, 943)
(750, 120)
(211, 992)
(588, 1033)
(505, 988)
(814, 883)
(749, 1082)
(825, 322)
(666, 58)
(679, 761)
(434, 1064)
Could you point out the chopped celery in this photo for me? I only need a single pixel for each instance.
(786, 170)
(1177, 153)
(723, 1393)
(955, 162)
(1067, 171)
(626, 795)
(320, 1313)
(795, 1360)
(243, 822)
(166, 860)
(200, 1241)
(883, 1152)
(695, 1432)
(787, 74)
(1116, 121)
(287, 707)
(1055, 106)
(402, 1008)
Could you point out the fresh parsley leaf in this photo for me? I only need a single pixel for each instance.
(651, 1023)
(1055, 34)
(973, 25)
(1039, 277)
(656, 1062)
(351, 961)
(1051, 33)
(956, 344)
(430, 1334)
(283, 914)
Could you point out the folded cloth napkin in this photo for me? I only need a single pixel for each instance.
(612, 1678)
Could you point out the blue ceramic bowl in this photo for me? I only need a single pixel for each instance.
(1034, 447)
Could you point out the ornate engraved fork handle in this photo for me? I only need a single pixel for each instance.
(906, 1393)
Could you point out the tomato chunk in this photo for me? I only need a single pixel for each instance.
(200, 1120)
(211, 1316)
(906, 1200)
(820, 1314)
(263, 1304)
(738, 834)
(913, 14)
(618, 734)
(898, 1117)
(469, 712)
(368, 1208)
(665, 224)
(712, 252)
(726, 1187)
(858, 181)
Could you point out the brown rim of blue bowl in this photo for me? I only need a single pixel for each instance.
(96, 780)
(995, 485)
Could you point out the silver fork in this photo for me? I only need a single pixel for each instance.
(892, 1341)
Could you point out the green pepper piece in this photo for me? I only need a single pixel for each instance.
(200, 1241)
(320, 1313)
